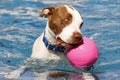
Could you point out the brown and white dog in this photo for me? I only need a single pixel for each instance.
(61, 33)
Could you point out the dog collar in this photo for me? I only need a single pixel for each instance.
(51, 46)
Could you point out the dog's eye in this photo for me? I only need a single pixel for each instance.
(67, 19)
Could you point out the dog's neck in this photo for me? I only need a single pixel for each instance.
(50, 35)
(49, 40)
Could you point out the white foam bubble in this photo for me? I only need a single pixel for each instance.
(72, 2)
(21, 11)
(108, 63)
(94, 35)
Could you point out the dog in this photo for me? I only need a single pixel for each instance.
(62, 32)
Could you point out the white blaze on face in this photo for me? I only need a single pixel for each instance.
(67, 32)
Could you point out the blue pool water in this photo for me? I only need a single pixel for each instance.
(20, 25)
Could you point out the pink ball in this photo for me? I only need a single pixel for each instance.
(84, 55)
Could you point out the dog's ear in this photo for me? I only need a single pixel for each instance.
(47, 11)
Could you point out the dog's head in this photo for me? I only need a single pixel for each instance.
(65, 22)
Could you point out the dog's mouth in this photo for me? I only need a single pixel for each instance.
(60, 42)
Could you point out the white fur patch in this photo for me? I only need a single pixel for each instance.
(46, 11)
(67, 32)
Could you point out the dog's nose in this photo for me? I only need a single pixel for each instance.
(77, 36)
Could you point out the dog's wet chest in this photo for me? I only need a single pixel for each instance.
(56, 56)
